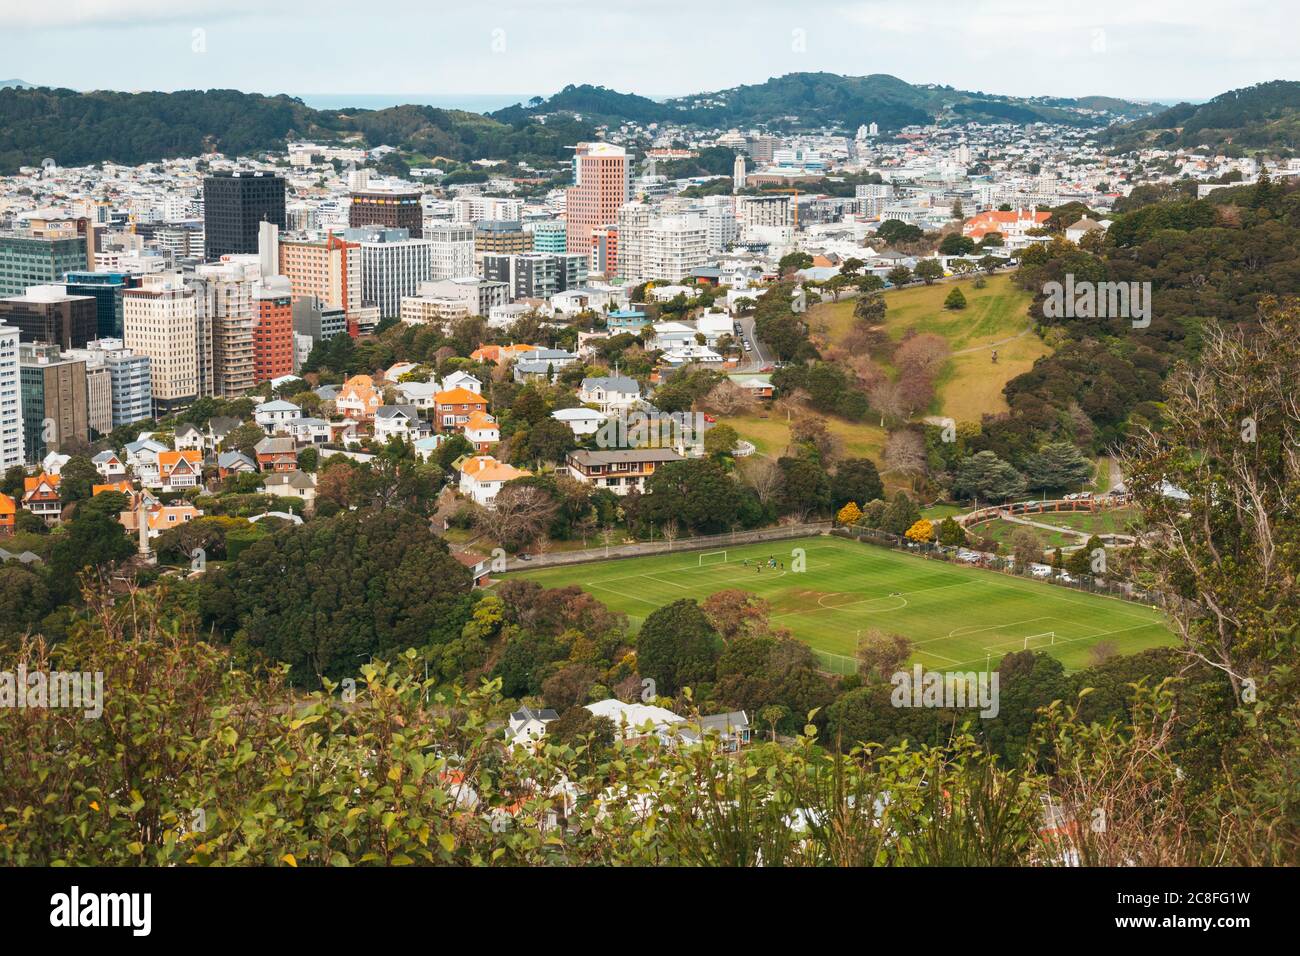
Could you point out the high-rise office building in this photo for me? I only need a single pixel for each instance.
(549, 236)
(106, 289)
(536, 275)
(11, 399)
(55, 403)
(46, 313)
(234, 206)
(391, 208)
(160, 320)
(327, 269)
(601, 185)
(392, 265)
(130, 388)
(501, 237)
(452, 250)
(29, 258)
(272, 329)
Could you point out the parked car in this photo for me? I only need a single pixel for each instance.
(1041, 570)
(525, 557)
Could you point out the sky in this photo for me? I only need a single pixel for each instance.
(1166, 50)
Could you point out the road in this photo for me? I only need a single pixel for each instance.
(759, 357)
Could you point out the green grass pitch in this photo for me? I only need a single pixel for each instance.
(957, 617)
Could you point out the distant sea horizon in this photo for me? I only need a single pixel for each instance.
(470, 102)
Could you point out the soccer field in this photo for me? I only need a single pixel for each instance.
(955, 616)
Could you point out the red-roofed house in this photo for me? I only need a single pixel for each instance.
(1010, 223)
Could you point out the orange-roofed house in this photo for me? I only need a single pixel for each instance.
(358, 398)
(481, 430)
(8, 514)
(178, 470)
(500, 354)
(41, 497)
(160, 517)
(1012, 223)
(124, 487)
(453, 408)
(482, 476)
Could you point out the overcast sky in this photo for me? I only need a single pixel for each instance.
(1153, 49)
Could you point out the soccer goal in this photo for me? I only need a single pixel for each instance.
(1045, 639)
(713, 557)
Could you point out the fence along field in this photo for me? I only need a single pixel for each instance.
(955, 616)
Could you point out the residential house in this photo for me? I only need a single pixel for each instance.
(427, 446)
(398, 421)
(482, 431)
(619, 469)
(667, 335)
(310, 431)
(452, 408)
(219, 427)
(542, 365)
(142, 459)
(463, 380)
(500, 354)
(358, 398)
(419, 394)
(276, 453)
(52, 464)
(293, 484)
(610, 393)
(528, 726)
(482, 477)
(479, 565)
(179, 470)
(234, 463)
(583, 421)
(276, 416)
(158, 517)
(8, 514)
(41, 497)
(108, 464)
(395, 372)
(188, 438)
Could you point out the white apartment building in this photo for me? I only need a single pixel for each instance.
(11, 405)
(452, 250)
(674, 246)
(472, 209)
(764, 211)
(160, 320)
(131, 393)
(392, 265)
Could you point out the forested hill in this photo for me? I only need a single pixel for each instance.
(76, 129)
(1264, 115)
(819, 99)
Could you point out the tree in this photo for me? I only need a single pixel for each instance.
(929, 270)
(677, 647)
(772, 715)
(1056, 466)
(985, 475)
(242, 438)
(519, 513)
(550, 440)
(697, 491)
(955, 300)
(324, 595)
(921, 531)
(905, 454)
(955, 244)
(900, 514)
(870, 309)
(1026, 548)
(77, 478)
(855, 480)
(735, 613)
(805, 489)
(881, 654)
(848, 515)
(951, 534)
(720, 440)
(899, 276)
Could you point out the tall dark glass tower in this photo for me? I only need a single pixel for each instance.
(234, 205)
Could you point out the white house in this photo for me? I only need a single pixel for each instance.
(610, 393)
(53, 463)
(275, 416)
(583, 421)
(482, 476)
(418, 394)
(292, 484)
(109, 465)
(398, 421)
(528, 726)
(462, 380)
(189, 438)
(142, 459)
(309, 431)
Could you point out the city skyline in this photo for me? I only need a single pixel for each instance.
(1165, 52)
